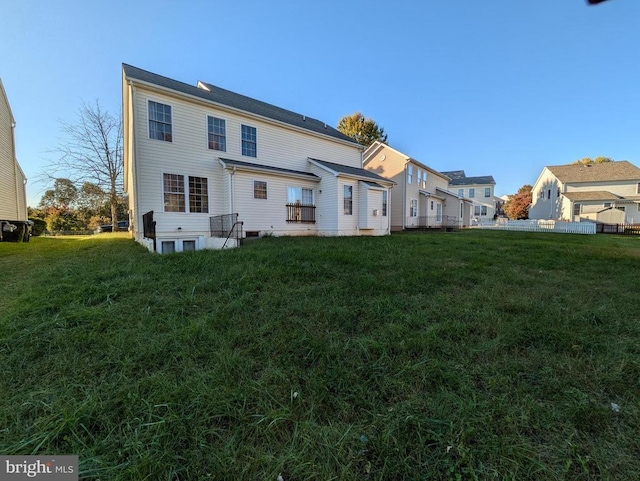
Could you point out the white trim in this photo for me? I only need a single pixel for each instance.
(164, 102)
(206, 128)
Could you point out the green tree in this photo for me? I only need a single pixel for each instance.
(517, 207)
(92, 152)
(63, 195)
(364, 131)
(589, 160)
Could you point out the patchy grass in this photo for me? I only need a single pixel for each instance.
(471, 355)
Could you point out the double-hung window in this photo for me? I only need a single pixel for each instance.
(409, 174)
(487, 192)
(348, 199)
(259, 189)
(176, 192)
(461, 192)
(249, 141)
(198, 194)
(217, 133)
(160, 121)
(472, 193)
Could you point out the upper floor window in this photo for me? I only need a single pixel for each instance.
(419, 177)
(576, 209)
(461, 192)
(249, 141)
(348, 199)
(472, 193)
(259, 189)
(160, 121)
(487, 191)
(638, 189)
(558, 193)
(384, 203)
(549, 194)
(217, 133)
(409, 174)
(424, 179)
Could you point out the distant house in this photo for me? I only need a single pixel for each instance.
(422, 197)
(200, 160)
(608, 192)
(13, 198)
(480, 190)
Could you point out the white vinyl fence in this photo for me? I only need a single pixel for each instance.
(536, 225)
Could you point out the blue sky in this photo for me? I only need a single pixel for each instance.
(494, 87)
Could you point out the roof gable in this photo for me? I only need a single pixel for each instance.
(606, 171)
(220, 96)
(338, 169)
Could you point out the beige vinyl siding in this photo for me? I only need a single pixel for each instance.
(188, 154)
(626, 188)
(12, 180)
(327, 204)
(269, 215)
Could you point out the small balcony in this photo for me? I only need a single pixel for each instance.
(301, 213)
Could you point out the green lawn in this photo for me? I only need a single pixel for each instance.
(470, 355)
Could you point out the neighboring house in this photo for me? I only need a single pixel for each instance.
(480, 190)
(422, 196)
(13, 198)
(608, 192)
(195, 156)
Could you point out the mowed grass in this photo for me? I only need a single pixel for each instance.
(471, 355)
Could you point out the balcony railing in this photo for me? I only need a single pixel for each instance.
(305, 214)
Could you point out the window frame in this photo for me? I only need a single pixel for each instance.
(161, 122)
(179, 179)
(472, 193)
(246, 142)
(409, 174)
(385, 202)
(487, 192)
(190, 194)
(211, 133)
(347, 201)
(257, 191)
(413, 207)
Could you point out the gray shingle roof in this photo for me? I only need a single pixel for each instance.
(455, 174)
(485, 179)
(591, 195)
(606, 171)
(237, 101)
(352, 171)
(269, 168)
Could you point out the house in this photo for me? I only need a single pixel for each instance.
(606, 192)
(205, 166)
(480, 190)
(13, 197)
(422, 197)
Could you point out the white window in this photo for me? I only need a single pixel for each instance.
(576, 209)
(168, 247)
(487, 192)
(188, 245)
(431, 205)
(217, 133)
(409, 174)
(607, 204)
(159, 121)
(461, 192)
(413, 208)
(348, 199)
(424, 179)
(483, 210)
(419, 177)
(384, 203)
(175, 193)
(249, 141)
(259, 189)
(472, 193)
(299, 195)
(476, 210)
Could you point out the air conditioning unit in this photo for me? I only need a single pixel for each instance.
(376, 212)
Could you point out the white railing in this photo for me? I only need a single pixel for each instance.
(539, 225)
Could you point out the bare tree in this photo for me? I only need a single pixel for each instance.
(91, 151)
